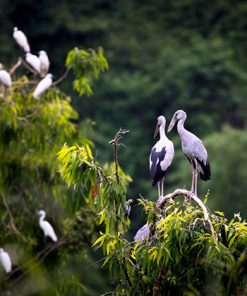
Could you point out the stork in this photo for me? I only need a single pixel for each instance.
(21, 39)
(161, 156)
(193, 149)
(5, 260)
(46, 226)
(43, 85)
(44, 63)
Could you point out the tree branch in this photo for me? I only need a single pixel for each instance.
(12, 224)
(62, 77)
(115, 143)
(144, 231)
(15, 66)
(163, 199)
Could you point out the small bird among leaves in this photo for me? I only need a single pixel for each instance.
(43, 85)
(46, 226)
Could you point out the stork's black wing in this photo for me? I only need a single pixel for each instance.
(206, 175)
(155, 159)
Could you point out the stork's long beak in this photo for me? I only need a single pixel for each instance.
(172, 123)
(156, 130)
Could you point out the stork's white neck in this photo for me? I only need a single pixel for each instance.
(162, 131)
(180, 126)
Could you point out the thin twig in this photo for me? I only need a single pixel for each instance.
(25, 118)
(12, 224)
(39, 257)
(116, 144)
(15, 66)
(62, 77)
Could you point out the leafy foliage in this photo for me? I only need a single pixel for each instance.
(87, 65)
(178, 257)
(32, 132)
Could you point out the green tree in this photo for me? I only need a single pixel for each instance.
(182, 250)
(32, 132)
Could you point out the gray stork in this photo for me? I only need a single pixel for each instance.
(193, 149)
(161, 156)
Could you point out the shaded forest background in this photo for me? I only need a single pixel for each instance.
(163, 56)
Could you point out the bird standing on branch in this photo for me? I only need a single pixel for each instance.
(193, 149)
(43, 85)
(21, 39)
(5, 260)
(44, 63)
(5, 78)
(46, 226)
(161, 156)
(34, 61)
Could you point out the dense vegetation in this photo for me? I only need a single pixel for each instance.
(163, 56)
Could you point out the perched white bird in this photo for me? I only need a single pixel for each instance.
(193, 149)
(46, 226)
(21, 39)
(34, 61)
(43, 85)
(44, 62)
(5, 260)
(5, 78)
(161, 156)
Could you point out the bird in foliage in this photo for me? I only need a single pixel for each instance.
(43, 85)
(46, 226)
(5, 78)
(193, 149)
(161, 156)
(34, 61)
(5, 260)
(44, 63)
(21, 39)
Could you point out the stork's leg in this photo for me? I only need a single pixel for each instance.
(162, 187)
(195, 176)
(158, 184)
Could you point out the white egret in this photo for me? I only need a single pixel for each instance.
(5, 78)
(46, 226)
(34, 61)
(44, 62)
(193, 149)
(161, 156)
(5, 260)
(21, 39)
(43, 85)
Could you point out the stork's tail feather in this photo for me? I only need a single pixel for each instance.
(206, 175)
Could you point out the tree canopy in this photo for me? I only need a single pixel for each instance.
(163, 56)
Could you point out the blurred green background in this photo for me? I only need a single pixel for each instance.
(163, 56)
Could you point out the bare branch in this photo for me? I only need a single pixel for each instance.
(15, 66)
(61, 78)
(163, 199)
(12, 225)
(116, 144)
(144, 231)
(38, 258)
